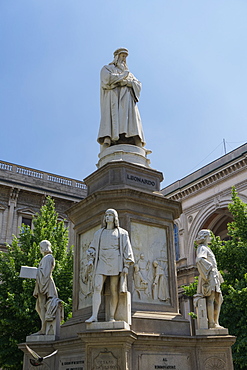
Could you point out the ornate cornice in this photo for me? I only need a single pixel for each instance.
(221, 174)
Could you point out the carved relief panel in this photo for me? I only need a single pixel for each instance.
(150, 276)
(85, 269)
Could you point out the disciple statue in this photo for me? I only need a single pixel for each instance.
(160, 283)
(120, 117)
(113, 256)
(45, 290)
(209, 279)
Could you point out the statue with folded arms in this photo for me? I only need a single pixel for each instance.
(119, 93)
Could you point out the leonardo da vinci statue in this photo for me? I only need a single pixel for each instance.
(120, 91)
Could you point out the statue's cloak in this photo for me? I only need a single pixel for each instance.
(119, 112)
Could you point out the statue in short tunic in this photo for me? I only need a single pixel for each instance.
(120, 91)
(210, 278)
(113, 256)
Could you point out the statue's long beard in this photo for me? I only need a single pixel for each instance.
(122, 65)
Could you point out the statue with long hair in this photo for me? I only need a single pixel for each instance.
(113, 256)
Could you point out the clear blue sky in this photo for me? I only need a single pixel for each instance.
(191, 57)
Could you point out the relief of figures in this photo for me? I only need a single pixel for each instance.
(151, 280)
(86, 275)
(160, 283)
(142, 280)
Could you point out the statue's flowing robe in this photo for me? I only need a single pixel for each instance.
(160, 289)
(210, 278)
(119, 112)
(44, 281)
(45, 285)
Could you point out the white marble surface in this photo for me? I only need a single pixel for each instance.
(149, 244)
(213, 331)
(28, 272)
(120, 91)
(41, 338)
(210, 278)
(201, 311)
(124, 152)
(104, 325)
(85, 278)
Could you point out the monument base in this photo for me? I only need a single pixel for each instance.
(213, 331)
(124, 152)
(41, 338)
(129, 350)
(115, 325)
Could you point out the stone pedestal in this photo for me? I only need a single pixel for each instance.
(212, 331)
(200, 304)
(201, 312)
(155, 335)
(52, 331)
(107, 325)
(126, 153)
(122, 349)
(108, 350)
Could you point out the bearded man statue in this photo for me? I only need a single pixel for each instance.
(120, 118)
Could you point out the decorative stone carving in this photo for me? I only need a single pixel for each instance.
(85, 290)
(149, 244)
(120, 91)
(214, 363)
(142, 281)
(160, 283)
(86, 273)
(105, 360)
(110, 256)
(209, 283)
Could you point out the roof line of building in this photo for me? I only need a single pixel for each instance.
(206, 170)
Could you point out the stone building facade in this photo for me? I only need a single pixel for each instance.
(205, 195)
(22, 193)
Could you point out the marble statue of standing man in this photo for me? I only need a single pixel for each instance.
(113, 256)
(120, 90)
(45, 290)
(209, 279)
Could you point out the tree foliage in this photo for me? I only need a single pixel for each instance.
(18, 317)
(231, 257)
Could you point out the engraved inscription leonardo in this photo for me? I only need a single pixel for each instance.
(140, 180)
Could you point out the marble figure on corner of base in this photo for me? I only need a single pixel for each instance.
(209, 280)
(120, 91)
(45, 291)
(113, 256)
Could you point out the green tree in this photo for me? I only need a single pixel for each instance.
(231, 257)
(18, 317)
